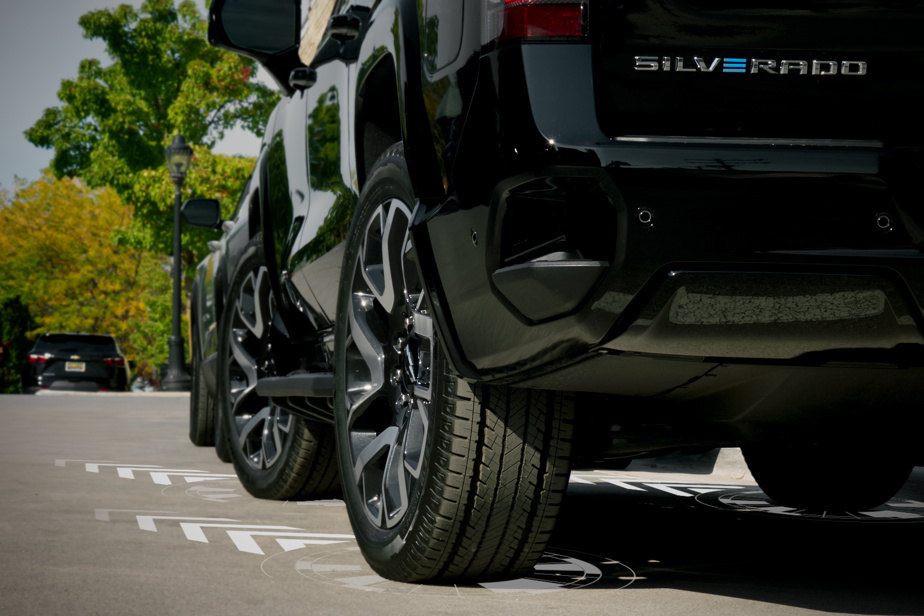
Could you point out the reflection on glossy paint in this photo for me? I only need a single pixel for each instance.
(324, 157)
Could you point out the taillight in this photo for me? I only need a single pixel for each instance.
(37, 359)
(526, 19)
(115, 361)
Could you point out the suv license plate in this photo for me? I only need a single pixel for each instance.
(75, 366)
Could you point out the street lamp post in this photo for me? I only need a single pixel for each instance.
(178, 155)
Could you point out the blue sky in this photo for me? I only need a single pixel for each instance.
(41, 44)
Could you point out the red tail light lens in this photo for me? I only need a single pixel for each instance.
(115, 361)
(37, 359)
(538, 18)
(524, 19)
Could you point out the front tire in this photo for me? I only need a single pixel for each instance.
(276, 455)
(442, 480)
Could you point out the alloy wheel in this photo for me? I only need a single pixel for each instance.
(389, 351)
(261, 427)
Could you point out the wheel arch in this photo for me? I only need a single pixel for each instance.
(391, 80)
(378, 125)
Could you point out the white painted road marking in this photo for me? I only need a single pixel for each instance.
(244, 539)
(158, 474)
(673, 488)
(64, 462)
(103, 514)
(623, 484)
(194, 530)
(242, 535)
(128, 472)
(163, 478)
(146, 522)
(94, 467)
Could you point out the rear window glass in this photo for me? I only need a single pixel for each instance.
(76, 344)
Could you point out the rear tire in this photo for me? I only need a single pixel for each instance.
(276, 455)
(442, 480)
(201, 405)
(826, 477)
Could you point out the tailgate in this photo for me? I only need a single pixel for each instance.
(815, 69)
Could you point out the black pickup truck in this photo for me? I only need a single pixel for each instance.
(492, 239)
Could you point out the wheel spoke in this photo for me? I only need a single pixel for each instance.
(381, 256)
(272, 438)
(368, 474)
(254, 303)
(363, 385)
(394, 487)
(415, 437)
(373, 451)
(242, 358)
(251, 433)
(423, 330)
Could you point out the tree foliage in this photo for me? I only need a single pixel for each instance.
(59, 259)
(165, 78)
(152, 194)
(84, 257)
(15, 324)
(116, 120)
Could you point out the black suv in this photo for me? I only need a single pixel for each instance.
(494, 238)
(75, 362)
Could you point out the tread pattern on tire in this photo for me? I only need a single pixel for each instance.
(311, 466)
(496, 466)
(201, 413)
(500, 475)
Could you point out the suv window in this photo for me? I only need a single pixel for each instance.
(77, 343)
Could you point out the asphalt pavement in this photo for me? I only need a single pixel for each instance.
(106, 508)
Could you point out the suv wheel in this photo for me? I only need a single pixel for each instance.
(441, 479)
(828, 477)
(276, 455)
(201, 412)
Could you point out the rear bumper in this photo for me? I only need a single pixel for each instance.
(560, 244)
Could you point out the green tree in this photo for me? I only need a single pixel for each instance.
(58, 257)
(210, 175)
(116, 120)
(15, 324)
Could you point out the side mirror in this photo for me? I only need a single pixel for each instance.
(302, 78)
(204, 213)
(266, 30)
(260, 27)
(344, 27)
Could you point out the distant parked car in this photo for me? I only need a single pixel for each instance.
(75, 362)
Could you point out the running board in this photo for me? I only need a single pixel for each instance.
(307, 384)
